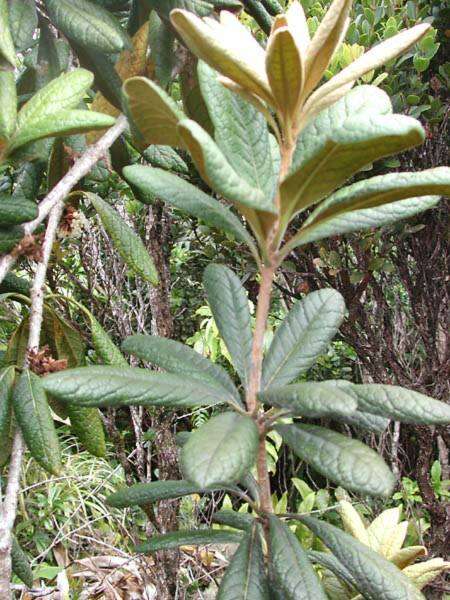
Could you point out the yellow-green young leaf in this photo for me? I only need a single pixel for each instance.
(375, 577)
(62, 93)
(217, 171)
(325, 42)
(245, 577)
(289, 565)
(86, 425)
(352, 522)
(220, 452)
(153, 112)
(8, 102)
(296, 21)
(406, 556)
(127, 242)
(382, 527)
(374, 58)
(65, 122)
(423, 573)
(35, 421)
(7, 49)
(88, 24)
(20, 564)
(228, 47)
(285, 71)
(345, 461)
(393, 542)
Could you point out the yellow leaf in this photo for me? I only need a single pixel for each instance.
(153, 111)
(374, 58)
(131, 62)
(226, 46)
(382, 527)
(285, 72)
(423, 573)
(406, 556)
(313, 107)
(296, 20)
(326, 40)
(393, 542)
(352, 522)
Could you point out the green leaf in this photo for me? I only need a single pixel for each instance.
(8, 102)
(16, 285)
(125, 386)
(147, 493)
(165, 157)
(174, 357)
(245, 577)
(86, 424)
(229, 306)
(104, 346)
(375, 576)
(341, 140)
(330, 562)
(6, 388)
(63, 93)
(202, 8)
(10, 237)
(14, 211)
(161, 40)
(64, 123)
(222, 451)
(34, 418)
(127, 242)
(20, 564)
(359, 220)
(23, 21)
(7, 49)
(231, 518)
(310, 399)
(199, 537)
(345, 461)
(217, 171)
(153, 111)
(240, 132)
(290, 566)
(90, 25)
(157, 184)
(28, 181)
(401, 404)
(303, 336)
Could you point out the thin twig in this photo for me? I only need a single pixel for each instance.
(81, 168)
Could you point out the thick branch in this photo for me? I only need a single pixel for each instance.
(81, 168)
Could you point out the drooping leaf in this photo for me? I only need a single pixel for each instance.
(66, 340)
(104, 346)
(165, 157)
(127, 242)
(303, 336)
(6, 389)
(340, 141)
(153, 111)
(7, 49)
(147, 493)
(221, 451)
(28, 181)
(346, 461)
(289, 565)
(174, 357)
(229, 305)
(125, 386)
(86, 424)
(14, 211)
(231, 518)
(33, 416)
(20, 563)
(309, 399)
(240, 132)
(10, 237)
(88, 24)
(375, 577)
(66, 122)
(163, 57)
(330, 562)
(199, 7)
(217, 171)
(23, 22)
(157, 184)
(401, 404)
(13, 284)
(8, 102)
(197, 537)
(245, 577)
